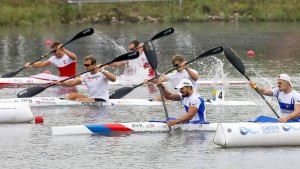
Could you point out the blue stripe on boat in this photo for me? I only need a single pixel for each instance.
(98, 128)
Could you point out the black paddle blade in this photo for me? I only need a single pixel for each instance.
(234, 60)
(119, 93)
(83, 33)
(150, 54)
(126, 56)
(163, 33)
(9, 74)
(32, 91)
(213, 51)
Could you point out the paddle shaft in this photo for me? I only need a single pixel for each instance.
(127, 56)
(165, 32)
(47, 54)
(162, 98)
(81, 34)
(119, 93)
(167, 72)
(263, 97)
(238, 64)
(32, 91)
(205, 54)
(152, 59)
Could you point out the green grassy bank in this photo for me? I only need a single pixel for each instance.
(29, 12)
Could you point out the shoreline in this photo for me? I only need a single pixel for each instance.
(47, 12)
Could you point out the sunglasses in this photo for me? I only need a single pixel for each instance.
(87, 65)
(175, 65)
(133, 49)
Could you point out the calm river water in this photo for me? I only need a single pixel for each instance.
(32, 145)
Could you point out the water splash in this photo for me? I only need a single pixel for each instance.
(213, 69)
(109, 43)
(134, 72)
(267, 84)
(218, 70)
(133, 75)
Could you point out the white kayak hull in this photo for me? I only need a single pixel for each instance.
(46, 78)
(257, 134)
(15, 113)
(34, 81)
(54, 101)
(18, 81)
(128, 127)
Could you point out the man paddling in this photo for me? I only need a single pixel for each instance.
(132, 46)
(63, 59)
(193, 103)
(96, 81)
(142, 60)
(183, 72)
(288, 99)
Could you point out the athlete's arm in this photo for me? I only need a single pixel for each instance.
(118, 64)
(193, 74)
(67, 52)
(188, 116)
(293, 115)
(39, 64)
(111, 77)
(167, 94)
(264, 91)
(71, 82)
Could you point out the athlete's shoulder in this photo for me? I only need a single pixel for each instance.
(296, 94)
(195, 97)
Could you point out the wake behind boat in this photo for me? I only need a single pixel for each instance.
(55, 101)
(128, 127)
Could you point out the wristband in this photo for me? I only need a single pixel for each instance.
(103, 70)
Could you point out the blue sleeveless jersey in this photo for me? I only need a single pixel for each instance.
(197, 101)
(287, 101)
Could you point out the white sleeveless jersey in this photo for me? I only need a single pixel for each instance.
(97, 85)
(142, 61)
(175, 78)
(143, 58)
(286, 101)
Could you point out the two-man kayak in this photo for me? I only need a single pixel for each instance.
(128, 127)
(55, 101)
(46, 79)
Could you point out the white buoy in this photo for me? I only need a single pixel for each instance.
(15, 113)
(257, 134)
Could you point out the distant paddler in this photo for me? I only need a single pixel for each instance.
(140, 63)
(288, 99)
(96, 80)
(63, 59)
(193, 103)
